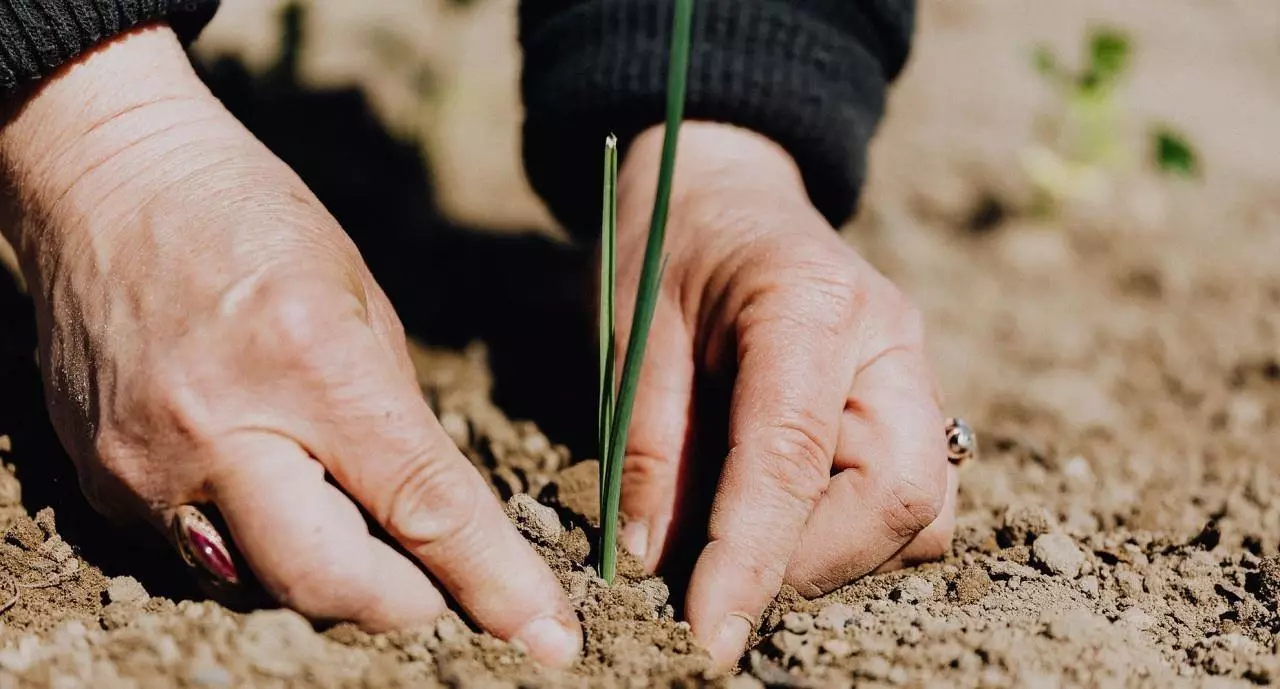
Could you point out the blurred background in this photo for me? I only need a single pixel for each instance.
(1028, 147)
(1082, 197)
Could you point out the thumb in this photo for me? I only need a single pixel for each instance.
(658, 436)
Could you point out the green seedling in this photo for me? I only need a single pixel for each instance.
(617, 403)
(1086, 143)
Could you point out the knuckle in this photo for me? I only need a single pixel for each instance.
(911, 506)
(646, 468)
(798, 461)
(302, 321)
(432, 502)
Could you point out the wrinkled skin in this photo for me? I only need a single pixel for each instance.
(837, 456)
(210, 335)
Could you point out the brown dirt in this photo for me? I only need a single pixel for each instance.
(1121, 363)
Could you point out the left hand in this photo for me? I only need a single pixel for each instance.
(837, 460)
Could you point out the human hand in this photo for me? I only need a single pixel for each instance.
(837, 459)
(208, 334)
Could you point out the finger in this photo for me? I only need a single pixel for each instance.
(658, 436)
(892, 481)
(389, 451)
(934, 542)
(308, 544)
(784, 416)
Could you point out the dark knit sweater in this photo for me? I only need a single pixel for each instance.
(809, 74)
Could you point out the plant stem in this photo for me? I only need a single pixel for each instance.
(608, 282)
(647, 289)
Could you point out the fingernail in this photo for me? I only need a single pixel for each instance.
(635, 538)
(729, 642)
(551, 641)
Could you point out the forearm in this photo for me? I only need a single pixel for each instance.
(810, 75)
(39, 36)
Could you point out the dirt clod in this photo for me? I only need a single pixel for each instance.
(972, 585)
(126, 590)
(536, 521)
(1022, 525)
(797, 622)
(1058, 554)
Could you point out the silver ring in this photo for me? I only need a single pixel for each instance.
(962, 443)
(201, 546)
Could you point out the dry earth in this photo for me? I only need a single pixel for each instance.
(1121, 362)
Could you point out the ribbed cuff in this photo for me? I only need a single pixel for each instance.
(809, 75)
(39, 36)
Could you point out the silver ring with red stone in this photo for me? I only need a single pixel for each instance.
(962, 442)
(201, 546)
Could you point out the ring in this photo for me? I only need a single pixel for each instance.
(962, 443)
(201, 546)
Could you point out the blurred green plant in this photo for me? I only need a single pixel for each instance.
(1173, 153)
(617, 404)
(292, 18)
(1086, 141)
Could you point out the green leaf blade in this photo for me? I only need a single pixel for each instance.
(650, 279)
(607, 329)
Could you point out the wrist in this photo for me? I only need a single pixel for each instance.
(712, 159)
(725, 178)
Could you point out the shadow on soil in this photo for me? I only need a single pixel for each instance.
(523, 295)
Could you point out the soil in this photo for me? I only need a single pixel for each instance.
(1120, 361)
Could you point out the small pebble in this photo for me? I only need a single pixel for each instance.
(126, 590)
(837, 647)
(655, 593)
(797, 622)
(209, 676)
(1058, 554)
(45, 520)
(1130, 583)
(1023, 523)
(1089, 585)
(913, 589)
(876, 667)
(834, 617)
(788, 643)
(451, 630)
(1007, 570)
(577, 584)
(538, 522)
(278, 643)
(972, 585)
(1138, 619)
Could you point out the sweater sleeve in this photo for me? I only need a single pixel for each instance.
(39, 36)
(809, 74)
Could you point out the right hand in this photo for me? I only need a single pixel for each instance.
(208, 334)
